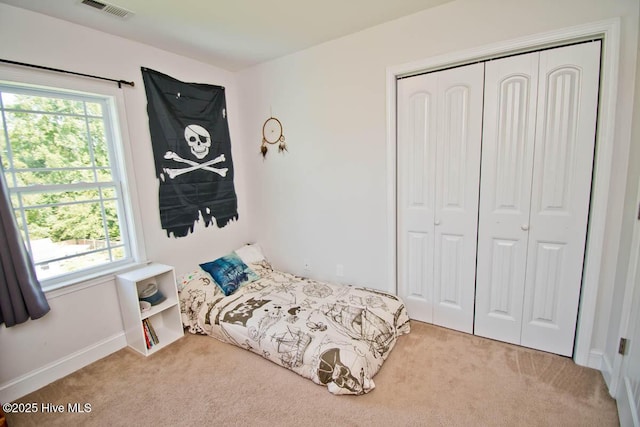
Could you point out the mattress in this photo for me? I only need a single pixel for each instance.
(335, 335)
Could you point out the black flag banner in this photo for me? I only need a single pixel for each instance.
(192, 151)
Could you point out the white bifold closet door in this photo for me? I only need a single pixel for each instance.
(538, 145)
(439, 142)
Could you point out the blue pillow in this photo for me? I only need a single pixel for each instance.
(229, 273)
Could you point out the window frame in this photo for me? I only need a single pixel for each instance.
(112, 99)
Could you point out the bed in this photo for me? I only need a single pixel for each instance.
(335, 335)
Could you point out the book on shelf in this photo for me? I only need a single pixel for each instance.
(150, 333)
(154, 336)
(146, 335)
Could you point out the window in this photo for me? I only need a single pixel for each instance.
(58, 155)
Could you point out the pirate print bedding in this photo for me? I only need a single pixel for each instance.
(336, 335)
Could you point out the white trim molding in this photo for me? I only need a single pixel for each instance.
(609, 32)
(615, 377)
(606, 368)
(40, 377)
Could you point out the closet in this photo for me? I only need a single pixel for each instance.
(494, 181)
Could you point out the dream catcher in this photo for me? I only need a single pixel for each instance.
(272, 134)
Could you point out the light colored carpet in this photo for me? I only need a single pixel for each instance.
(434, 377)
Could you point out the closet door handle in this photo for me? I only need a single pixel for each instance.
(436, 222)
(525, 227)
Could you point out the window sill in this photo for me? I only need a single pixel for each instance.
(89, 280)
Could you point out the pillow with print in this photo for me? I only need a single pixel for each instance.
(229, 273)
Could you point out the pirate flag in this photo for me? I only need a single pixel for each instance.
(192, 152)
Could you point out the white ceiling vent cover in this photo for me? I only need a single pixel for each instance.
(108, 8)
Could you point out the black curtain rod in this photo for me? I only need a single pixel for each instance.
(120, 82)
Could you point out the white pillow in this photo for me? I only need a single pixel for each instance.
(250, 254)
(191, 276)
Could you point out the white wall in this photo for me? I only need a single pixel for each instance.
(326, 199)
(85, 323)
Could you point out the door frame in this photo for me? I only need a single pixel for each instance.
(609, 32)
(629, 309)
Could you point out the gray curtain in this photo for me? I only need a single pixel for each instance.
(21, 295)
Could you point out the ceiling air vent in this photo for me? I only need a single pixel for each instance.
(108, 8)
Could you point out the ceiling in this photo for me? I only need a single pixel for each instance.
(231, 34)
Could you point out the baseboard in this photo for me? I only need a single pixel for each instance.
(39, 378)
(607, 370)
(594, 360)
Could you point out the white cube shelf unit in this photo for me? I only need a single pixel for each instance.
(165, 317)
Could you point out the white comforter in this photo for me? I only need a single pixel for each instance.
(335, 335)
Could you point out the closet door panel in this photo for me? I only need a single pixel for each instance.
(439, 136)
(456, 194)
(565, 138)
(416, 193)
(511, 86)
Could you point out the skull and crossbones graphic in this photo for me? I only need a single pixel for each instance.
(199, 141)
